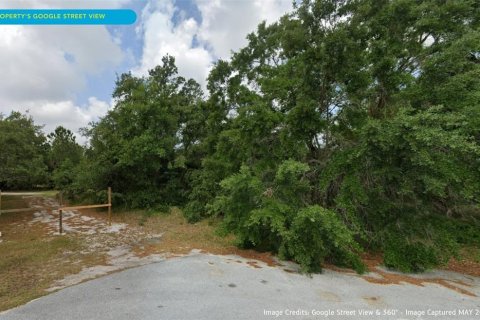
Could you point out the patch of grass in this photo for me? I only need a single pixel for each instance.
(31, 260)
(29, 266)
(178, 236)
(49, 193)
(13, 202)
(470, 253)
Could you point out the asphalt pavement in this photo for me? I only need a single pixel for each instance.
(203, 286)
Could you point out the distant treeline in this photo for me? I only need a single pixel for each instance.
(344, 126)
(30, 160)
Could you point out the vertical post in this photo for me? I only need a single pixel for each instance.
(61, 198)
(109, 206)
(60, 227)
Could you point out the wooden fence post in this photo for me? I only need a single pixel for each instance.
(109, 206)
(60, 227)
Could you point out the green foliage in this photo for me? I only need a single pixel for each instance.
(267, 226)
(276, 219)
(64, 155)
(417, 244)
(241, 193)
(144, 146)
(63, 147)
(318, 233)
(22, 153)
(63, 175)
(409, 171)
(379, 103)
(193, 211)
(343, 120)
(409, 257)
(291, 185)
(455, 233)
(30, 160)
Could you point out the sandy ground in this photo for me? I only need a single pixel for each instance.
(116, 241)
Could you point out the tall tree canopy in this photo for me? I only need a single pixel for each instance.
(64, 155)
(347, 124)
(63, 147)
(144, 146)
(23, 152)
(378, 98)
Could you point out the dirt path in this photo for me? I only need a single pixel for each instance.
(99, 248)
(117, 242)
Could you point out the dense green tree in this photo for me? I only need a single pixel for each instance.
(143, 147)
(63, 146)
(23, 153)
(345, 124)
(379, 99)
(64, 154)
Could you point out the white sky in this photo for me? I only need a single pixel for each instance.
(45, 69)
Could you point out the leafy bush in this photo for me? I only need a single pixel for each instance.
(63, 175)
(276, 219)
(193, 211)
(402, 255)
(464, 231)
(241, 194)
(401, 179)
(317, 234)
(267, 226)
(416, 244)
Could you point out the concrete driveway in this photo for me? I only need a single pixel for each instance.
(203, 286)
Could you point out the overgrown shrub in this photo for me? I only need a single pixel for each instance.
(416, 244)
(409, 257)
(63, 175)
(241, 195)
(194, 211)
(267, 226)
(316, 234)
(275, 218)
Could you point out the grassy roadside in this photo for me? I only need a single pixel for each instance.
(31, 260)
(178, 236)
(29, 265)
(13, 202)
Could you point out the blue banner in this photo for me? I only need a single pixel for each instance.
(67, 17)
